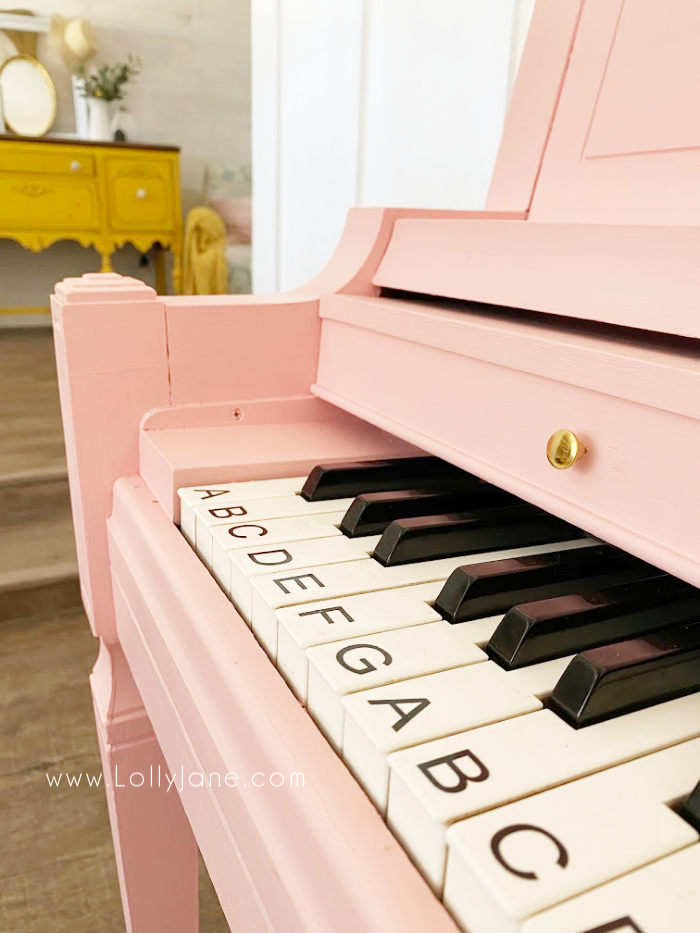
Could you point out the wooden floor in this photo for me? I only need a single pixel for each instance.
(57, 869)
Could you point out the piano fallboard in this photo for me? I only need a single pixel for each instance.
(486, 390)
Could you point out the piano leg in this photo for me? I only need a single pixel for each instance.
(157, 856)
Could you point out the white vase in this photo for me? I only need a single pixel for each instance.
(123, 127)
(98, 119)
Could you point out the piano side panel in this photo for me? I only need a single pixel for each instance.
(241, 346)
(318, 858)
(489, 416)
(533, 103)
(625, 144)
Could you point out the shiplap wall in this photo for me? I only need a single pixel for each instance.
(194, 92)
(371, 102)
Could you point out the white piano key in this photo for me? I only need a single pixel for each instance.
(663, 897)
(254, 562)
(239, 535)
(516, 861)
(341, 668)
(272, 592)
(190, 496)
(254, 510)
(329, 621)
(475, 771)
(385, 719)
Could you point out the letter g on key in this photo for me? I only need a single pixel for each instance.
(367, 667)
(562, 855)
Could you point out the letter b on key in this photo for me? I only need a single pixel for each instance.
(462, 778)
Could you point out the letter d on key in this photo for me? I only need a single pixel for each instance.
(284, 559)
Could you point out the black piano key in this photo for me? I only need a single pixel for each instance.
(629, 675)
(690, 808)
(372, 512)
(479, 590)
(553, 628)
(515, 524)
(343, 480)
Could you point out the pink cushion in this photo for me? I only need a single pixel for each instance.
(236, 214)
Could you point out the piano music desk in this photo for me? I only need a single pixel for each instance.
(157, 393)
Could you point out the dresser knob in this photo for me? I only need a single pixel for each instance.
(75, 166)
(564, 449)
(141, 193)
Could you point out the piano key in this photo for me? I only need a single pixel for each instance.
(290, 556)
(690, 808)
(371, 513)
(432, 786)
(254, 510)
(190, 496)
(274, 591)
(239, 535)
(487, 529)
(629, 675)
(511, 863)
(267, 598)
(317, 623)
(338, 480)
(388, 718)
(663, 897)
(354, 664)
(548, 628)
(496, 586)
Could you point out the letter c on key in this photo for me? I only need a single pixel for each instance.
(562, 854)
(368, 667)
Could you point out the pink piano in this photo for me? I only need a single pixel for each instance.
(560, 327)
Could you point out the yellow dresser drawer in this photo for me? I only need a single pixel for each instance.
(40, 162)
(140, 194)
(55, 204)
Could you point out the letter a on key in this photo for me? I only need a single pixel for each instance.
(462, 778)
(210, 493)
(404, 718)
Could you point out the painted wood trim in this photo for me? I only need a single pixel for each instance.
(533, 104)
(623, 275)
(272, 438)
(105, 385)
(300, 846)
(655, 372)
(367, 234)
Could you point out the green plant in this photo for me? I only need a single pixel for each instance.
(108, 81)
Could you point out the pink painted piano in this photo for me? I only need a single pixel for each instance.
(225, 719)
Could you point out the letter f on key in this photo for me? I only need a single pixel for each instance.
(462, 778)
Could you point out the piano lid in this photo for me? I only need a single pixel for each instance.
(601, 153)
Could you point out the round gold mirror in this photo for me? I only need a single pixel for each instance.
(27, 96)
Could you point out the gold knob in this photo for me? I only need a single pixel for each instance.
(564, 449)
(141, 193)
(75, 166)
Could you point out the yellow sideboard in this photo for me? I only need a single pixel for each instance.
(100, 194)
